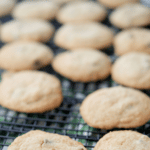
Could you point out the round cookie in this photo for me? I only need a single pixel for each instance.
(116, 107)
(133, 70)
(23, 55)
(29, 30)
(83, 65)
(30, 92)
(77, 12)
(116, 3)
(45, 10)
(134, 39)
(40, 140)
(84, 35)
(134, 15)
(123, 140)
(6, 7)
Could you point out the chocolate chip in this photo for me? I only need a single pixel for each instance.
(37, 63)
(46, 141)
(148, 45)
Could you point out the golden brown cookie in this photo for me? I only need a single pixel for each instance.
(30, 92)
(45, 10)
(84, 35)
(134, 39)
(77, 12)
(40, 140)
(130, 15)
(123, 140)
(116, 107)
(83, 65)
(29, 30)
(133, 70)
(116, 3)
(6, 7)
(23, 55)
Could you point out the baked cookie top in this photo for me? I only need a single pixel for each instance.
(30, 92)
(123, 140)
(134, 39)
(46, 10)
(6, 7)
(23, 55)
(116, 3)
(130, 15)
(83, 65)
(84, 35)
(40, 140)
(29, 30)
(133, 70)
(116, 107)
(77, 12)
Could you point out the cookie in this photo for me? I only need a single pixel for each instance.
(41, 140)
(30, 92)
(123, 140)
(116, 3)
(45, 10)
(133, 70)
(130, 15)
(23, 55)
(6, 7)
(116, 107)
(78, 12)
(29, 30)
(135, 39)
(59, 2)
(84, 35)
(82, 65)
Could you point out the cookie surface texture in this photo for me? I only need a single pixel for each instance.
(18, 56)
(135, 39)
(123, 140)
(40, 140)
(116, 3)
(77, 12)
(134, 15)
(82, 65)
(29, 30)
(84, 35)
(133, 70)
(30, 92)
(35, 10)
(116, 107)
(6, 7)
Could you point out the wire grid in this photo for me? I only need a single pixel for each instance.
(65, 120)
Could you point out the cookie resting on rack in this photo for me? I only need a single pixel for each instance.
(134, 39)
(83, 65)
(123, 140)
(45, 10)
(116, 3)
(40, 140)
(133, 70)
(22, 55)
(130, 15)
(30, 92)
(6, 6)
(27, 30)
(84, 35)
(77, 12)
(116, 107)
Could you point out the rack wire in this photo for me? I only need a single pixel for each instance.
(65, 120)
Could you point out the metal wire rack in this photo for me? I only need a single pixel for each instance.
(66, 119)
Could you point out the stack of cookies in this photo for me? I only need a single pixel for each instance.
(85, 38)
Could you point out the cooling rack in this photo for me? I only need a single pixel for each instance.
(65, 120)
